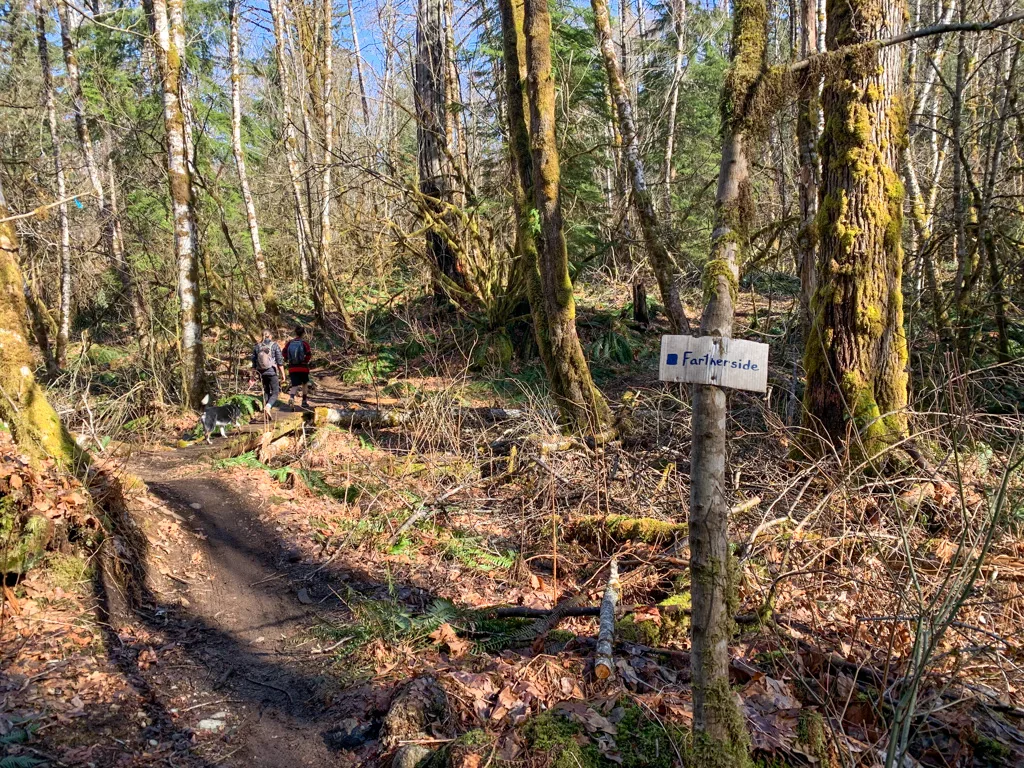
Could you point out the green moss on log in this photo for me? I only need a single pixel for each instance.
(24, 538)
(620, 528)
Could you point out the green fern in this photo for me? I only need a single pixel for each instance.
(468, 551)
(17, 735)
(612, 347)
(19, 761)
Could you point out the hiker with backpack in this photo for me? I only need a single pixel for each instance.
(298, 355)
(268, 362)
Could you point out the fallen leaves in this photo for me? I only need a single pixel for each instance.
(446, 635)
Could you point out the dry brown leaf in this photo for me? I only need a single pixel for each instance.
(446, 635)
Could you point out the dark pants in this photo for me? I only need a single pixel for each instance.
(271, 388)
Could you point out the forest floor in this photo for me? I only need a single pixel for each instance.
(283, 615)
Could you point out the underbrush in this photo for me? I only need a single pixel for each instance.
(309, 478)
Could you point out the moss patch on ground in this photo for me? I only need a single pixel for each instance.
(641, 741)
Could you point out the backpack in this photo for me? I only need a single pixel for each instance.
(265, 357)
(295, 352)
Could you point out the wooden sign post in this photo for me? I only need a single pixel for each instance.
(732, 363)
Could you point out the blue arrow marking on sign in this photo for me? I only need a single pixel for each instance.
(672, 359)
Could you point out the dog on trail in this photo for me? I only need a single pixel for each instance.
(219, 416)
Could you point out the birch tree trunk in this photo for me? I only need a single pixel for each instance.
(327, 158)
(24, 407)
(106, 222)
(666, 270)
(357, 52)
(64, 312)
(168, 27)
(677, 8)
(266, 285)
(526, 30)
(720, 736)
(291, 149)
(78, 105)
(856, 357)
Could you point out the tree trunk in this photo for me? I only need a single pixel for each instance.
(291, 148)
(526, 30)
(807, 116)
(327, 158)
(72, 74)
(432, 137)
(677, 9)
(719, 734)
(266, 285)
(662, 262)
(133, 294)
(64, 312)
(24, 408)
(357, 52)
(168, 27)
(856, 357)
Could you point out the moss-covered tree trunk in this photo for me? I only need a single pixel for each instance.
(526, 35)
(666, 270)
(23, 405)
(167, 22)
(433, 125)
(856, 355)
(720, 737)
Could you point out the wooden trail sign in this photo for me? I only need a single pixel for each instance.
(733, 363)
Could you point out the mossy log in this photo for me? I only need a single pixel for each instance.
(616, 529)
(393, 417)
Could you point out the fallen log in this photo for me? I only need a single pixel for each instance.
(603, 529)
(604, 665)
(521, 612)
(250, 438)
(396, 417)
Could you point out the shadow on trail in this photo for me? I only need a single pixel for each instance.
(242, 635)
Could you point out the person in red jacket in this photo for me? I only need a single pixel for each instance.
(297, 356)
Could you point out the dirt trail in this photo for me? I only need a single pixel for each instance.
(226, 594)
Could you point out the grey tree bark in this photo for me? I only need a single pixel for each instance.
(266, 285)
(719, 733)
(433, 137)
(168, 26)
(807, 117)
(666, 270)
(64, 311)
